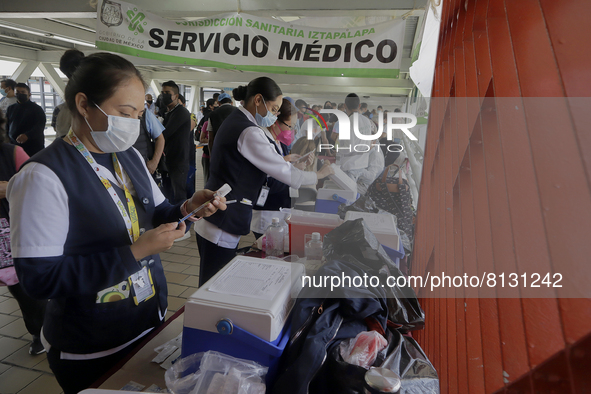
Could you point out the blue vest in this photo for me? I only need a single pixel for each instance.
(227, 165)
(78, 324)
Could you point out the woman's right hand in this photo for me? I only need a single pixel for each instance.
(325, 171)
(291, 157)
(157, 240)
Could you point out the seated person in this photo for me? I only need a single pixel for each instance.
(366, 176)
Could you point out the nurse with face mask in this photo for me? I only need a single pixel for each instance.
(88, 224)
(243, 156)
(280, 134)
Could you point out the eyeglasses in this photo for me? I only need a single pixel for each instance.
(274, 110)
(285, 124)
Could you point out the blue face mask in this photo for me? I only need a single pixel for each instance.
(267, 120)
(3, 92)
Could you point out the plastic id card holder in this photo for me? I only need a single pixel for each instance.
(143, 285)
(263, 196)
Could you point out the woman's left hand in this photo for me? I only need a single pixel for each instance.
(201, 197)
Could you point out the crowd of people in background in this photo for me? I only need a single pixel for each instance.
(170, 133)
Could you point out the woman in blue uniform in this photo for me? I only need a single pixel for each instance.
(242, 156)
(88, 222)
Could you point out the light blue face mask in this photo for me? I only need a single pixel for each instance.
(267, 120)
(3, 92)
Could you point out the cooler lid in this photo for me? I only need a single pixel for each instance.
(249, 283)
(314, 218)
(328, 184)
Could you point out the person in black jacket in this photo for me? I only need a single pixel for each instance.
(177, 133)
(217, 117)
(242, 157)
(11, 159)
(26, 121)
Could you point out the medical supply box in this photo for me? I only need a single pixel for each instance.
(242, 311)
(336, 191)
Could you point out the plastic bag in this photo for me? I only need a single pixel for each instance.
(406, 242)
(366, 204)
(183, 375)
(403, 356)
(223, 374)
(233, 383)
(353, 241)
(363, 349)
(363, 204)
(408, 360)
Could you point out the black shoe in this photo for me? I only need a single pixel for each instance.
(36, 346)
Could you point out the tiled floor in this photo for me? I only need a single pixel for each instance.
(25, 374)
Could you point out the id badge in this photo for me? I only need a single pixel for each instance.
(263, 196)
(143, 286)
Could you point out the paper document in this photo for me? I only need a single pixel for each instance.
(252, 279)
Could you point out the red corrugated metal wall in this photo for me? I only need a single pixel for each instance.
(506, 187)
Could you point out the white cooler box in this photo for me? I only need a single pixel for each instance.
(246, 320)
(331, 188)
(336, 191)
(342, 179)
(262, 312)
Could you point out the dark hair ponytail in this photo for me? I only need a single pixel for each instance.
(70, 61)
(98, 76)
(262, 85)
(239, 93)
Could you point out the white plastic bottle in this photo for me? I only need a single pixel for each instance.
(274, 238)
(313, 250)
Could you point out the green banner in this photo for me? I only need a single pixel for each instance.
(249, 43)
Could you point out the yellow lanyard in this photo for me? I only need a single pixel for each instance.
(131, 220)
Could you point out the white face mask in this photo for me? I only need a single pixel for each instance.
(120, 135)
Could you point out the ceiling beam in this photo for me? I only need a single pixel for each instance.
(53, 15)
(24, 71)
(55, 28)
(16, 54)
(32, 42)
(218, 6)
(54, 79)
